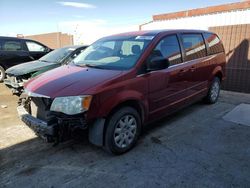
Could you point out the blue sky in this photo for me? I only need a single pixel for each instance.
(77, 16)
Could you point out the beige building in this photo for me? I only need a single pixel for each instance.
(53, 40)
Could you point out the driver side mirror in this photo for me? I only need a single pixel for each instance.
(157, 63)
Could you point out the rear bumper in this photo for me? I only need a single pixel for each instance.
(41, 128)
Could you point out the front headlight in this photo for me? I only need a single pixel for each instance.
(71, 105)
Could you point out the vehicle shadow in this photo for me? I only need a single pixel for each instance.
(38, 149)
(34, 157)
(165, 121)
(27, 158)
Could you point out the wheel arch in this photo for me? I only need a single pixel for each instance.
(2, 65)
(217, 72)
(112, 105)
(219, 75)
(134, 103)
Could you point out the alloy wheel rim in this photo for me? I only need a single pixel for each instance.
(125, 131)
(215, 91)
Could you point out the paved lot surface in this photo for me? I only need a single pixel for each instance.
(193, 148)
(240, 115)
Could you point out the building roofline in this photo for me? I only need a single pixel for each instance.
(203, 11)
(140, 26)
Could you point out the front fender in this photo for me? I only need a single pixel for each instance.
(119, 98)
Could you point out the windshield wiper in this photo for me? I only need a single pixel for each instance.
(49, 61)
(44, 61)
(93, 66)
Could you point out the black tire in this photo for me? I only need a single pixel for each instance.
(113, 123)
(2, 73)
(214, 91)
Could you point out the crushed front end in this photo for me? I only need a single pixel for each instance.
(55, 127)
(15, 83)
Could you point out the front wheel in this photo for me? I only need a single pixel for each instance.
(2, 73)
(214, 91)
(123, 130)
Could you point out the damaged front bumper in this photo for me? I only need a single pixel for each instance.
(58, 128)
(15, 86)
(13, 83)
(41, 128)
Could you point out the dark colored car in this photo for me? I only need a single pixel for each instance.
(14, 51)
(123, 82)
(17, 75)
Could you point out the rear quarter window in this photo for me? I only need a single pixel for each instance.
(214, 43)
(11, 45)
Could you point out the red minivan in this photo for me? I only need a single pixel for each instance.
(122, 82)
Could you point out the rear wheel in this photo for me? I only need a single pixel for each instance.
(2, 73)
(123, 130)
(214, 91)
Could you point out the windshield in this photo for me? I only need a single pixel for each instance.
(117, 53)
(58, 55)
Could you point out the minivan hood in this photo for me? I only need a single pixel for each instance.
(29, 67)
(68, 80)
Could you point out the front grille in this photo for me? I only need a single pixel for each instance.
(39, 107)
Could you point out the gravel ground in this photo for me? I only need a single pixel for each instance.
(192, 148)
